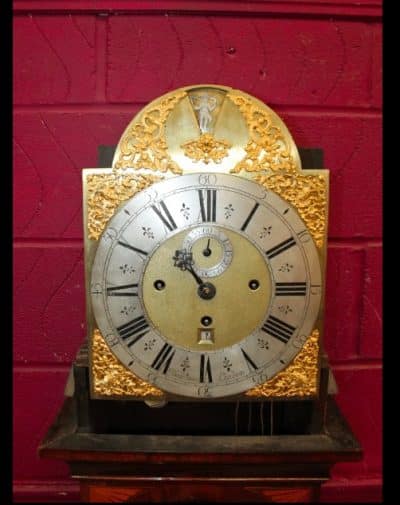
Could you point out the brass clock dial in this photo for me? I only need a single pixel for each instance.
(206, 285)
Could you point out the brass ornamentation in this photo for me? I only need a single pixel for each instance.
(265, 153)
(299, 379)
(307, 193)
(267, 148)
(143, 143)
(206, 148)
(111, 378)
(106, 191)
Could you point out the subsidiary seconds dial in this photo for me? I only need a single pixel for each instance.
(206, 285)
(211, 249)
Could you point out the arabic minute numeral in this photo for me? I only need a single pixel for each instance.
(207, 179)
(259, 378)
(110, 234)
(203, 391)
(299, 341)
(315, 289)
(304, 236)
(111, 339)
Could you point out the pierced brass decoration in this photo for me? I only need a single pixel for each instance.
(201, 127)
(206, 148)
(308, 194)
(110, 378)
(105, 192)
(143, 144)
(299, 379)
(267, 148)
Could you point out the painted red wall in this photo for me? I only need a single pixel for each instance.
(82, 71)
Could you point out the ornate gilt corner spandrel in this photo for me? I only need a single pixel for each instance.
(105, 191)
(111, 378)
(299, 379)
(308, 194)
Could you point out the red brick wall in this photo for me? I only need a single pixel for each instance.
(82, 71)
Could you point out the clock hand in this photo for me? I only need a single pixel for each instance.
(207, 251)
(189, 268)
(184, 261)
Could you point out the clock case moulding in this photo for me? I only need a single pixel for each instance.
(165, 138)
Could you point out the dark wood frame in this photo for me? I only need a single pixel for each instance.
(185, 468)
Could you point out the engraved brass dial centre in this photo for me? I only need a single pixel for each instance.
(176, 313)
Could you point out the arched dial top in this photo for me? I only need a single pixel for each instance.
(206, 284)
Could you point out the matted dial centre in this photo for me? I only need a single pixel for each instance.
(235, 309)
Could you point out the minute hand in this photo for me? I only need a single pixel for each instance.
(197, 278)
(184, 261)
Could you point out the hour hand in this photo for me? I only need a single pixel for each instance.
(183, 259)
